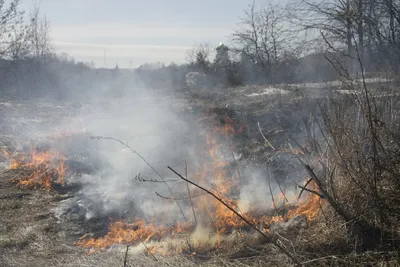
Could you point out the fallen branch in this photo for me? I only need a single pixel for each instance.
(268, 237)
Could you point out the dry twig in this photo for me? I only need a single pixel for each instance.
(190, 195)
(126, 256)
(266, 140)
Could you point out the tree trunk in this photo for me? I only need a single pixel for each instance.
(360, 32)
(349, 37)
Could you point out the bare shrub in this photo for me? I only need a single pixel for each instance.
(359, 163)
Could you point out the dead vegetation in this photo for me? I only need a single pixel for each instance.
(352, 152)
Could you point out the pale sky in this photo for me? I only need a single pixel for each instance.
(138, 30)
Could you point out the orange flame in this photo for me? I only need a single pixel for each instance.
(46, 165)
(122, 232)
(210, 212)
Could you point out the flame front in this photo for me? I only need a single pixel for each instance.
(46, 166)
(211, 214)
(123, 232)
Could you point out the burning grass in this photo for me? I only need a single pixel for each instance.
(47, 166)
(188, 238)
(313, 226)
(212, 221)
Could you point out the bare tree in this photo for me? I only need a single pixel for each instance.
(332, 17)
(261, 37)
(199, 57)
(363, 29)
(19, 47)
(10, 23)
(39, 34)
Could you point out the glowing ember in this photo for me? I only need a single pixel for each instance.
(211, 214)
(46, 166)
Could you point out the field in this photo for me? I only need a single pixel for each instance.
(250, 146)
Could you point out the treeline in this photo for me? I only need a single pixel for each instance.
(29, 66)
(305, 41)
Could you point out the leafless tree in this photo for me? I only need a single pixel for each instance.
(364, 29)
(261, 36)
(199, 56)
(19, 47)
(10, 23)
(39, 35)
(333, 17)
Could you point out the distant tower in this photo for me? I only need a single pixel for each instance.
(222, 56)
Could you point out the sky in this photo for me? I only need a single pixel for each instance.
(133, 32)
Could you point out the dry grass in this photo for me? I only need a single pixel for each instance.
(365, 183)
(356, 142)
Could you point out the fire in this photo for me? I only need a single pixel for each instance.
(123, 232)
(46, 166)
(309, 207)
(210, 213)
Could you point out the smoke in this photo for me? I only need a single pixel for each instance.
(263, 191)
(155, 129)
(158, 126)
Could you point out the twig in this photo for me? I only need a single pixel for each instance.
(260, 252)
(268, 237)
(236, 165)
(318, 259)
(303, 188)
(18, 195)
(126, 256)
(151, 180)
(303, 150)
(311, 191)
(146, 247)
(272, 195)
(266, 140)
(190, 195)
(148, 164)
(282, 191)
(179, 198)
(149, 251)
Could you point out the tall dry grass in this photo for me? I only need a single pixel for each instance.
(358, 164)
